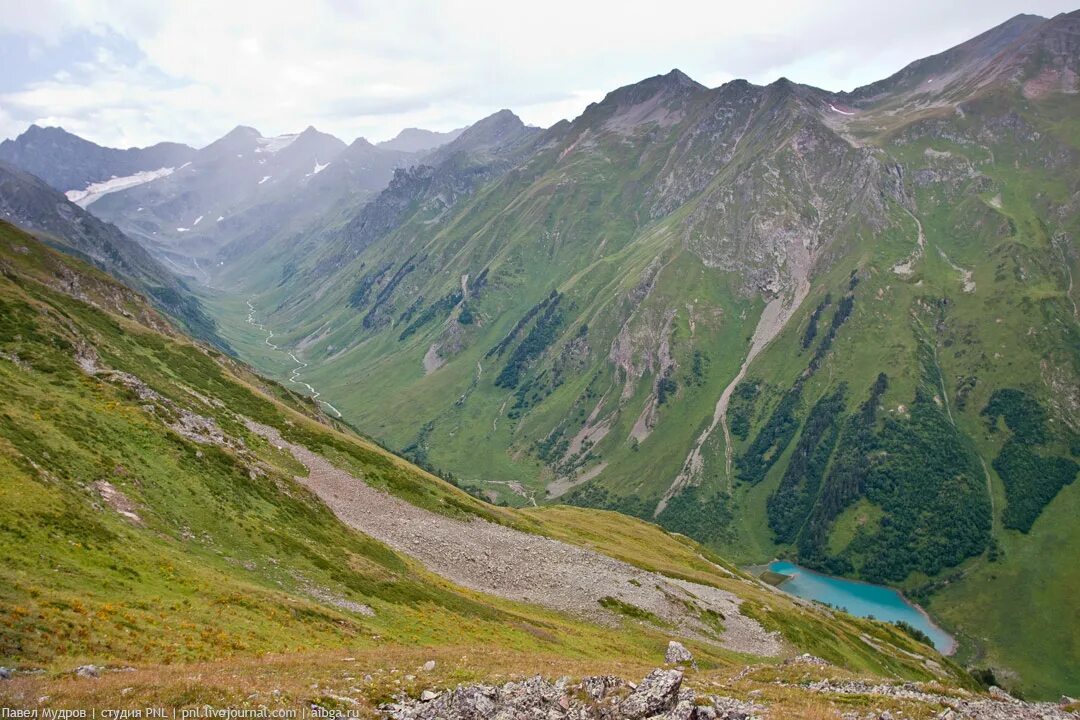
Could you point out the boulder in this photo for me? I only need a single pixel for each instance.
(88, 671)
(677, 654)
(429, 666)
(657, 693)
(5, 674)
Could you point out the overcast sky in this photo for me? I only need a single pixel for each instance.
(132, 72)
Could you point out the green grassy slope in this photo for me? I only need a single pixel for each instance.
(987, 307)
(128, 540)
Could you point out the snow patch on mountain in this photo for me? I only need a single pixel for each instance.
(265, 178)
(273, 144)
(98, 190)
(318, 168)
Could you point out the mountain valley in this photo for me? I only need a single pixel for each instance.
(534, 400)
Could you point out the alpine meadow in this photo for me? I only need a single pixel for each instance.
(495, 420)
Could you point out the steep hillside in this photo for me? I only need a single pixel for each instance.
(777, 319)
(165, 510)
(28, 202)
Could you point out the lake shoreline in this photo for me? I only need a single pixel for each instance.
(817, 586)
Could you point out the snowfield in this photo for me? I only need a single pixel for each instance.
(98, 190)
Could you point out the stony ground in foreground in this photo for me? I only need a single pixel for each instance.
(661, 696)
(413, 683)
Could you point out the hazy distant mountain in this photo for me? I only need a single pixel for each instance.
(33, 205)
(415, 140)
(200, 206)
(68, 162)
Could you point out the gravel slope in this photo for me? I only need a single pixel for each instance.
(518, 566)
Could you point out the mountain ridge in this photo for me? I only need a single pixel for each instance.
(67, 162)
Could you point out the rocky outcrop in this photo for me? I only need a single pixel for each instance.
(998, 705)
(657, 693)
(659, 696)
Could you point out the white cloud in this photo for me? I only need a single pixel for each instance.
(370, 68)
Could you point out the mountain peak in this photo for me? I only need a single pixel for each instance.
(674, 83)
(679, 78)
(659, 99)
(310, 140)
(414, 140)
(242, 131)
(36, 129)
(491, 128)
(241, 138)
(48, 132)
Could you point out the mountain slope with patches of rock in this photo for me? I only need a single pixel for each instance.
(778, 319)
(28, 202)
(173, 508)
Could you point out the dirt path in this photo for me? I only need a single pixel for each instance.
(294, 375)
(773, 319)
(519, 566)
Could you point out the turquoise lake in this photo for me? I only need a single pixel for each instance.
(862, 599)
